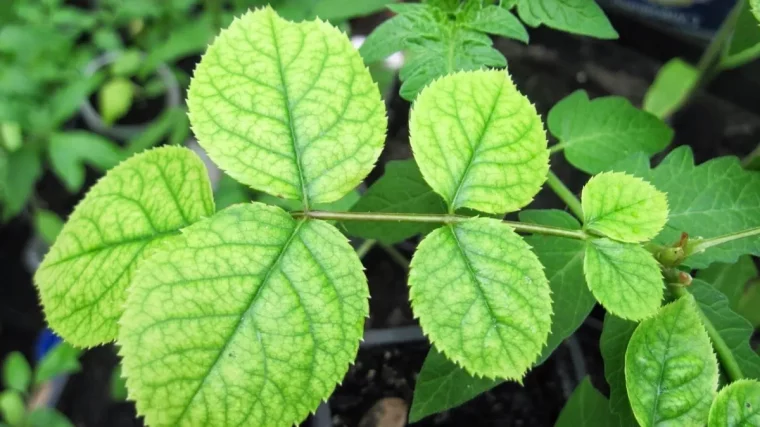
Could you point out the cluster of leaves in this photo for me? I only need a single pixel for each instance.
(250, 315)
(444, 36)
(20, 380)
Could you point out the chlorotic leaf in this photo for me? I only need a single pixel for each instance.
(287, 108)
(485, 152)
(442, 385)
(735, 330)
(598, 133)
(583, 17)
(730, 279)
(482, 297)
(623, 207)
(670, 87)
(250, 318)
(402, 190)
(671, 372)
(616, 333)
(143, 201)
(624, 278)
(586, 407)
(712, 199)
(737, 405)
(563, 260)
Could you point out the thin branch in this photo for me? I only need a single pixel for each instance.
(521, 227)
(564, 193)
(703, 244)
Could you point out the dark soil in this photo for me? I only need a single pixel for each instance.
(551, 67)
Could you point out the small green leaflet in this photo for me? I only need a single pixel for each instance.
(441, 39)
(442, 385)
(563, 260)
(143, 201)
(287, 108)
(481, 296)
(730, 279)
(70, 151)
(623, 207)
(671, 372)
(670, 87)
(403, 190)
(586, 407)
(583, 17)
(115, 99)
(737, 405)
(250, 318)
(624, 278)
(744, 44)
(712, 199)
(17, 374)
(616, 334)
(735, 330)
(489, 153)
(596, 134)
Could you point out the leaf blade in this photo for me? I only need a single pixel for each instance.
(737, 404)
(583, 17)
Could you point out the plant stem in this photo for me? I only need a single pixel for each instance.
(365, 247)
(703, 244)
(436, 219)
(724, 352)
(565, 194)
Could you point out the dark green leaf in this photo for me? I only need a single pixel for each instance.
(499, 21)
(229, 192)
(47, 224)
(583, 17)
(730, 279)
(66, 101)
(24, 168)
(403, 190)
(442, 385)
(48, 417)
(70, 151)
(615, 336)
(62, 359)
(586, 407)
(744, 45)
(733, 328)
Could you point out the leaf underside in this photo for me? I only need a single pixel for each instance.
(737, 405)
(137, 205)
(481, 296)
(671, 371)
(487, 152)
(623, 207)
(287, 108)
(249, 318)
(624, 278)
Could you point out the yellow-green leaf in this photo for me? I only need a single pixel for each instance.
(143, 201)
(479, 142)
(737, 405)
(624, 278)
(250, 318)
(671, 372)
(623, 207)
(287, 108)
(482, 297)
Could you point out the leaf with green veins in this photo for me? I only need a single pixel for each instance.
(403, 190)
(115, 99)
(735, 330)
(598, 133)
(479, 276)
(442, 385)
(497, 20)
(489, 153)
(670, 87)
(270, 311)
(616, 333)
(287, 108)
(623, 207)
(586, 407)
(714, 198)
(730, 279)
(624, 278)
(670, 369)
(70, 151)
(583, 17)
(563, 260)
(137, 205)
(737, 405)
